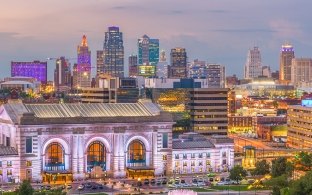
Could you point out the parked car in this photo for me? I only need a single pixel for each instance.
(94, 187)
(158, 181)
(146, 182)
(164, 181)
(100, 186)
(153, 181)
(48, 187)
(221, 183)
(69, 187)
(81, 187)
(194, 182)
(88, 185)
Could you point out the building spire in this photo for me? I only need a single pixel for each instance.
(84, 42)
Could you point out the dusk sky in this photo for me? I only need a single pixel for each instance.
(218, 31)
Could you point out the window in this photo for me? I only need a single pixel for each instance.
(164, 157)
(96, 155)
(224, 162)
(28, 163)
(208, 162)
(9, 172)
(193, 169)
(193, 163)
(8, 141)
(165, 140)
(1, 172)
(184, 164)
(208, 155)
(184, 156)
(9, 163)
(200, 163)
(28, 144)
(176, 156)
(0, 163)
(200, 155)
(136, 154)
(200, 169)
(177, 164)
(223, 154)
(193, 156)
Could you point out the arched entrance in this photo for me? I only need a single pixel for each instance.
(96, 156)
(136, 154)
(136, 160)
(54, 157)
(54, 165)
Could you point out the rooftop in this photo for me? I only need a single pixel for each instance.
(7, 151)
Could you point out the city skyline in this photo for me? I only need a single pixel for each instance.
(218, 31)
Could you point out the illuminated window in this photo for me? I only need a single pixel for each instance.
(9, 163)
(136, 153)
(96, 155)
(164, 157)
(208, 162)
(1, 172)
(9, 172)
(28, 163)
(177, 164)
(54, 157)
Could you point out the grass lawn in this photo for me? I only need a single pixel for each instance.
(96, 194)
(201, 189)
(231, 187)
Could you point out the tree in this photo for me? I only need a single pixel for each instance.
(278, 184)
(302, 186)
(280, 166)
(25, 188)
(305, 161)
(237, 173)
(262, 168)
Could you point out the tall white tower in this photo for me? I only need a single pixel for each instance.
(253, 66)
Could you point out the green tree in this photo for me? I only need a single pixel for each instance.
(278, 184)
(25, 188)
(302, 186)
(280, 166)
(262, 168)
(305, 161)
(237, 173)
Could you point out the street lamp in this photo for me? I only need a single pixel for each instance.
(139, 183)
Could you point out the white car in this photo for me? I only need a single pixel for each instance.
(81, 187)
(221, 183)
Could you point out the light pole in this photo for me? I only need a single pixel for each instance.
(139, 183)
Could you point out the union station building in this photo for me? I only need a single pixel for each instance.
(57, 143)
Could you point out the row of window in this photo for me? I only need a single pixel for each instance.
(9, 172)
(200, 155)
(9, 163)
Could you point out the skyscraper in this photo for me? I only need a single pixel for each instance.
(83, 64)
(198, 69)
(253, 66)
(163, 57)
(286, 56)
(99, 62)
(133, 65)
(62, 74)
(216, 76)
(35, 69)
(178, 63)
(113, 52)
(148, 50)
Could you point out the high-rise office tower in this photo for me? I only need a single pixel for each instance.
(148, 50)
(162, 66)
(99, 62)
(178, 63)
(198, 69)
(113, 52)
(83, 65)
(216, 76)
(253, 66)
(301, 72)
(286, 56)
(62, 74)
(35, 69)
(133, 65)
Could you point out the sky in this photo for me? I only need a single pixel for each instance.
(218, 31)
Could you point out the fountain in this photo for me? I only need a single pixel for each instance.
(182, 192)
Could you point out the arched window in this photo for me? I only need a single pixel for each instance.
(96, 156)
(136, 154)
(54, 157)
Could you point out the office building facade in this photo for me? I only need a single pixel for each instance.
(178, 63)
(148, 50)
(216, 76)
(99, 62)
(133, 65)
(113, 52)
(286, 56)
(62, 74)
(301, 72)
(35, 69)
